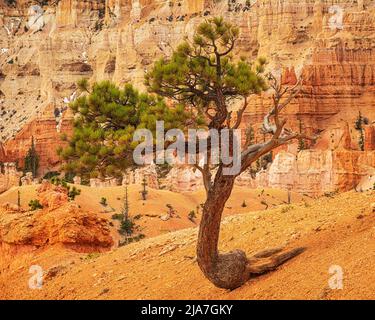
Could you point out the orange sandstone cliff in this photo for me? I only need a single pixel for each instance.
(120, 39)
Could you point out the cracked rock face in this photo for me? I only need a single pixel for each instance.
(45, 50)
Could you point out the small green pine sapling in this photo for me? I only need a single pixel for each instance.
(35, 205)
(103, 201)
(144, 192)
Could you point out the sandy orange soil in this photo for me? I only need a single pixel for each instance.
(335, 231)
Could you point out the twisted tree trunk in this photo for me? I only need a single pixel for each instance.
(230, 270)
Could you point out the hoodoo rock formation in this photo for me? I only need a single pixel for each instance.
(333, 51)
(315, 172)
(369, 143)
(9, 176)
(59, 222)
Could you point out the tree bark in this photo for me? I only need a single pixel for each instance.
(230, 270)
(226, 270)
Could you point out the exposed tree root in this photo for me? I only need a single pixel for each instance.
(233, 269)
(269, 260)
(267, 253)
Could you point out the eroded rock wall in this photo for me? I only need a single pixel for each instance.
(331, 47)
(47, 138)
(9, 176)
(315, 172)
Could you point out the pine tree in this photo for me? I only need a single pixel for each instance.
(128, 227)
(144, 192)
(359, 122)
(32, 160)
(204, 74)
(126, 203)
(359, 127)
(106, 118)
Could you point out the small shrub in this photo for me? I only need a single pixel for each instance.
(265, 204)
(301, 144)
(35, 205)
(131, 240)
(85, 181)
(130, 230)
(91, 256)
(103, 202)
(49, 175)
(73, 192)
(127, 227)
(192, 215)
(69, 176)
(244, 205)
(59, 182)
(287, 209)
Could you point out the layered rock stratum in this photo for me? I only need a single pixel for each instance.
(45, 49)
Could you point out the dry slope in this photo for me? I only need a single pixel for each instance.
(336, 231)
(155, 206)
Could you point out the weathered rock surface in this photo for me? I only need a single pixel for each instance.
(98, 183)
(315, 172)
(51, 196)
(182, 179)
(60, 222)
(369, 136)
(67, 225)
(28, 179)
(9, 177)
(120, 39)
(145, 174)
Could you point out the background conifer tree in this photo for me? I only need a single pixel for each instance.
(32, 160)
